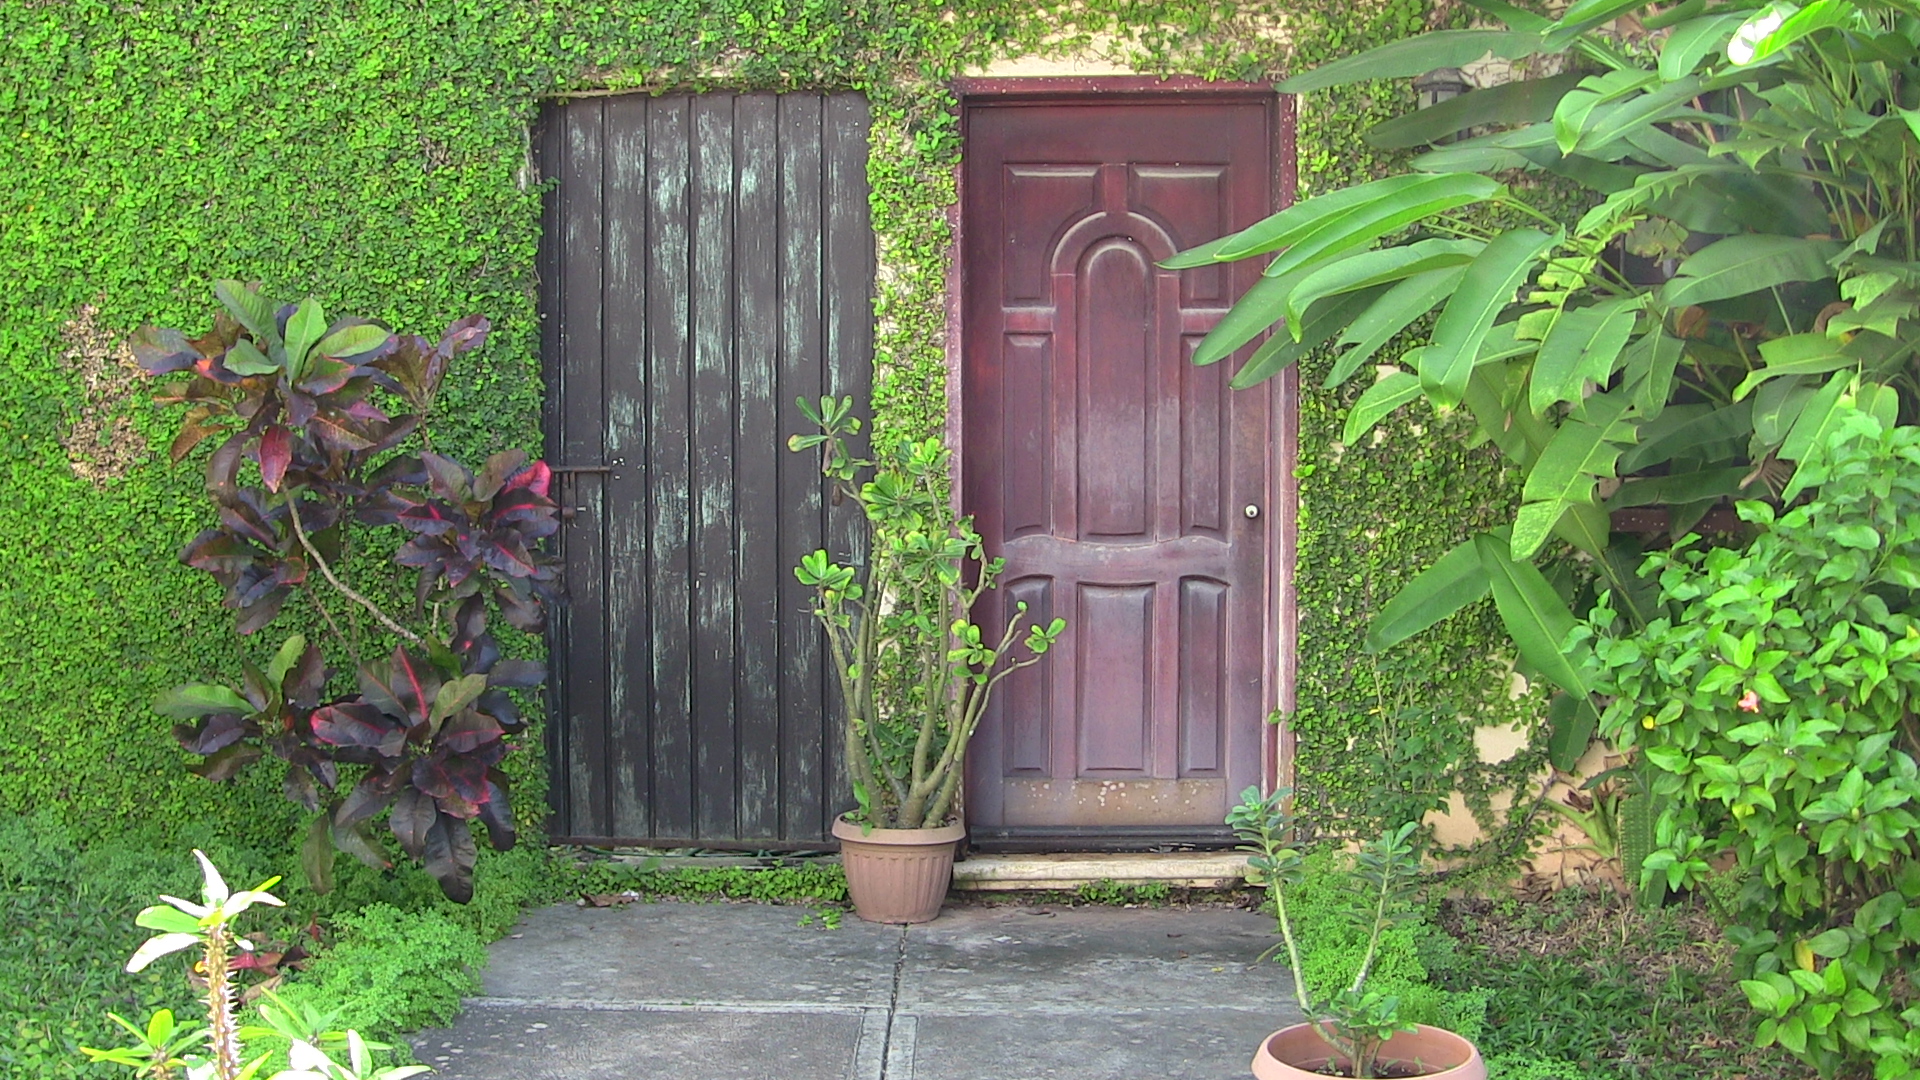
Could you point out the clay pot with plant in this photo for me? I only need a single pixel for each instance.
(1356, 1031)
(914, 670)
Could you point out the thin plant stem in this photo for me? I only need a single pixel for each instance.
(293, 512)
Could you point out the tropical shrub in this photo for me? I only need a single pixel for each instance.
(1752, 257)
(1773, 697)
(915, 670)
(282, 387)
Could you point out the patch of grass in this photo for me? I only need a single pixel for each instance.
(796, 883)
(1120, 893)
(1587, 977)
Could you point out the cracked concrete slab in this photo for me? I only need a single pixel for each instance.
(674, 991)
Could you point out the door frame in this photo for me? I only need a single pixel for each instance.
(1281, 622)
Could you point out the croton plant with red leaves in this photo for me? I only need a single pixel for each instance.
(328, 413)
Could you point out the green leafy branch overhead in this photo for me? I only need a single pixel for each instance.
(1749, 268)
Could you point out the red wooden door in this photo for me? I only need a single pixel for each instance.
(1127, 489)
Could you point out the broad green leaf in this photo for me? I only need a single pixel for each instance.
(1515, 18)
(167, 919)
(1683, 428)
(1879, 400)
(1774, 408)
(1604, 128)
(158, 946)
(1819, 419)
(245, 359)
(1569, 731)
(1583, 346)
(352, 340)
(1258, 308)
(1392, 313)
(1584, 15)
(1779, 25)
(291, 650)
(1650, 362)
(1370, 268)
(456, 695)
(253, 310)
(1475, 158)
(1679, 488)
(1281, 229)
(1585, 527)
(316, 855)
(1535, 616)
(1282, 351)
(308, 324)
(1495, 275)
(1455, 580)
(1523, 101)
(1594, 91)
(1693, 40)
(1795, 354)
(1746, 263)
(1363, 224)
(1587, 446)
(200, 699)
(1380, 399)
(1415, 56)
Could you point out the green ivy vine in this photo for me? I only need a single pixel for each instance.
(375, 153)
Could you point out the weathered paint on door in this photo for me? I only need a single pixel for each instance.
(1127, 489)
(708, 259)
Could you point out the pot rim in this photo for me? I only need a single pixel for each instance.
(945, 834)
(1471, 1067)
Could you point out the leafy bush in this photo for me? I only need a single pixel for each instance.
(1773, 700)
(393, 971)
(281, 386)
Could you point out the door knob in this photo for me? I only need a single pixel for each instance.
(1251, 511)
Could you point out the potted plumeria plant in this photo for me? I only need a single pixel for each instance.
(1357, 1031)
(915, 671)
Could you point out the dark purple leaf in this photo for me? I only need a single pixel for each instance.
(227, 763)
(387, 434)
(497, 812)
(254, 686)
(536, 478)
(359, 724)
(468, 730)
(305, 681)
(244, 521)
(224, 466)
(447, 478)
(518, 674)
(428, 518)
(477, 649)
(324, 375)
(334, 434)
(161, 351)
(359, 843)
(507, 554)
(316, 856)
(448, 857)
(299, 788)
(499, 705)
(522, 611)
(374, 793)
(211, 734)
(301, 409)
(445, 775)
(468, 332)
(276, 451)
(413, 816)
(261, 612)
(494, 474)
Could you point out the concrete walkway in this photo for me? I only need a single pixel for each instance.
(676, 991)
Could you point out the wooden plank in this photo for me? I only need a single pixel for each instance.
(579, 357)
(757, 453)
(847, 322)
(550, 153)
(711, 478)
(623, 379)
(804, 727)
(668, 164)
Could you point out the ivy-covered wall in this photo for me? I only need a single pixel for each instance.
(374, 153)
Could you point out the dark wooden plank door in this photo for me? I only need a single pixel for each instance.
(1126, 489)
(707, 260)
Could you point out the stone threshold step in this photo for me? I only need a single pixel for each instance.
(1190, 869)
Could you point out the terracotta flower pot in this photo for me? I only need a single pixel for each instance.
(897, 875)
(1299, 1053)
